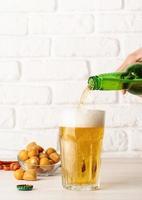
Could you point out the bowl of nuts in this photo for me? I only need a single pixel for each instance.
(44, 161)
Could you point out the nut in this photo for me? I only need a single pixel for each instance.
(31, 146)
(51, 162)
(32, 163)
(14, 166)
(51, 166)
(33, 152)
(43, 155)
(30, 175)
(50, 150)
(1, 167)
(28, 165)
(55, 157)
(34, 160)
(23, 155)
(40, 149)
(19, 173)
(6, 167)
(44, 162)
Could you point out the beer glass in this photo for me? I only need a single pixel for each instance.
(81, 134)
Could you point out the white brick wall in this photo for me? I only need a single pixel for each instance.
(7, 118)
(85, 46)
(24, 46)
(67, 93)
(9, 71)
(61, 24)
(89, 5)
(38, 70)
(132, 42)
(37, 117)
(13, 24)
(48, 49)
(116, 140)
(24, 95)
(27, 6)
(119, 23)
(133, 5)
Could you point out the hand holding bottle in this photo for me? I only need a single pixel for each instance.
(128, 80)
(132, 58)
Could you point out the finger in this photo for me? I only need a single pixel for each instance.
(131, 59)
(139, 60)
(126, 63)
(138, 54)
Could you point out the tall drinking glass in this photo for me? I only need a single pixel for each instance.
(81, 136)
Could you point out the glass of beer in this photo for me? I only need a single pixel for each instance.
(81, 135)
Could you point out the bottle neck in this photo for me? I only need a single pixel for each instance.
(109, 81)
(131, 79)
(94, 83)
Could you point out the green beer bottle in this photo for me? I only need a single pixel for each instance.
(130, 80)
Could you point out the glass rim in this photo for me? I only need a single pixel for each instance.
(81, 109)
(81, 117)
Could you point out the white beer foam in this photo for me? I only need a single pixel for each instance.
(82, 118)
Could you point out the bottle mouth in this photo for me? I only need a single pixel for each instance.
(93, 83)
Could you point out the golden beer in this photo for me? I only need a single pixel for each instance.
(81, 149)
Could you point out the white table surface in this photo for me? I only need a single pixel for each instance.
(121, 180)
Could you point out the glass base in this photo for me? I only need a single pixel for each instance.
(91, 187)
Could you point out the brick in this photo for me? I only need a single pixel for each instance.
(61, 24)
(129, 98)
(37, 117)
(133, 5)
(136, 140)
(27, 5)
(115, 140)
(131, 43)
(54, 70)
(24, 46)
(119, 115)
(16, 140)
(85, 47)
(67, 93)
(7, 118)
(13, 24)
(119, 23)
(24, 95)
(88, 5)
(80, 5)
(104, 65)
(108, 5)
(9, 71)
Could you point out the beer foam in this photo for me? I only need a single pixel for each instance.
(82, 118)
